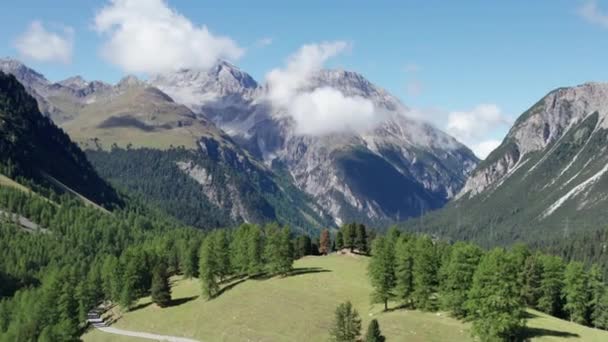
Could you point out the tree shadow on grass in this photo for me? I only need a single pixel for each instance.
(180, 301)
(140, 306)
(528, 333)
(529, 315)
(292, 273)
(305, 270)
(229, 287)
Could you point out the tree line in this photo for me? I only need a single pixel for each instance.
(490, 288)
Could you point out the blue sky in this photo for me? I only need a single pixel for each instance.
(459, 58)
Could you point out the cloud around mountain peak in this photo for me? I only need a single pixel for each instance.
(322, 110)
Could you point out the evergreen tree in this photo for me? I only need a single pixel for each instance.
(597, 287)
(161, 290)
(576, 293)
(324, 242)
(277, 251)
(425, 274)
(68, 311)
(361, 239)
(221, 251)
(404, 268)
(339, 241)
(109, 275)
(373, 332)
(458, 280)
(303, 246)
(347, 324)
(531, 280)
(494, 303)
(191, 259)
(240, 254)
(381, 270)
(551, 285)
(600, 313)
(349, 235)
(254, 250)
(208, 269)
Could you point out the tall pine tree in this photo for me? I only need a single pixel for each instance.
(494, 303)
(381, 270)
(160, 290)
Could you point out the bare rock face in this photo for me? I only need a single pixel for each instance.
(398, 169)
(541, 126)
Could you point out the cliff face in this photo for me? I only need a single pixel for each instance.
(548, 177)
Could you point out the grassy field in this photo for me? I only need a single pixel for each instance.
(5, 181)
(300, 308)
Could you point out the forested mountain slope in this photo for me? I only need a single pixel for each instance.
(547, 180)
(33, 148)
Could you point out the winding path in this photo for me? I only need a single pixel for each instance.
(99, 324)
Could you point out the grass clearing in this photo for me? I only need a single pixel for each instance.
(5, 181)
(301, 307)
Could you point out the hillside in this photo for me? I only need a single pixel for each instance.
(300, 308)
(547, 180)
(33, 149)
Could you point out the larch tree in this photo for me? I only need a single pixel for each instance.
(324, 242)
(599, 305)
(373, 332)
(347, 324)
(339, 241)
(494, 303)
(160, 290)
(551, 285)
(531, 280)
(381, 270)
(404, 269)
(208, 269)
(458, 273)
(425, 274)
(361, 239)
(576, 293)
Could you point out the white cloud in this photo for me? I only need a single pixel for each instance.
(591, 12)
(317, 111)
(39, 44)
(284, 83)
(326, 110)
(484, 148)
(149, 37)
(473, 127)
(263, 42)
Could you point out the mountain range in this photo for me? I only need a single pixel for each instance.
(209, 149)
(222, 124)
(547, 180)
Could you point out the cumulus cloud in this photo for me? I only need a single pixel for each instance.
(484, 148)
(42, 45)
(473, 127)
(592, 13)
(322, 110)
(326, 110)
(148, 36)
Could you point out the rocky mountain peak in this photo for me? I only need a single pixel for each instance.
(25, 75)
(129, 81)
(74, 82)
(351, 83)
